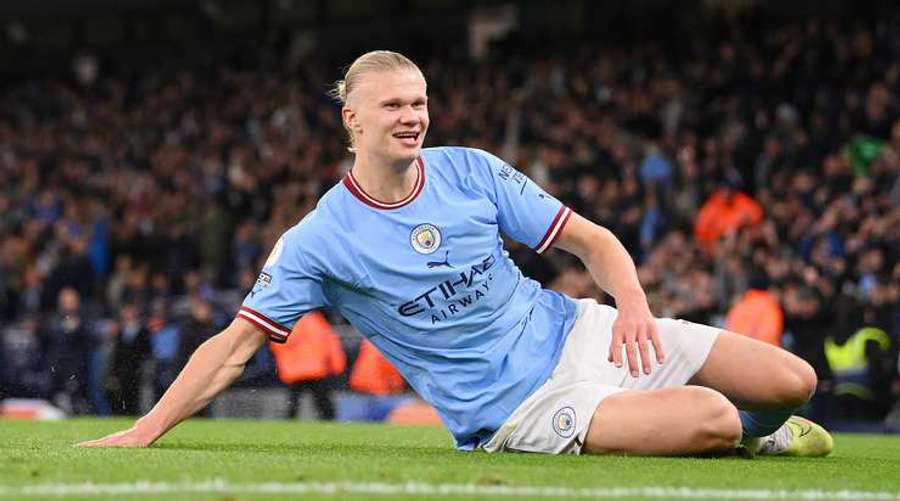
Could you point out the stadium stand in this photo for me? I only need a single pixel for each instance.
(164, 188)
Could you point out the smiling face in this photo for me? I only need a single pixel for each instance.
(388, 115)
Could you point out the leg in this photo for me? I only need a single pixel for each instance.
(668, 421)
(322, 397)
(768, 381)
(755, 375)
(131, 396)
(293, 406)
(117, 400)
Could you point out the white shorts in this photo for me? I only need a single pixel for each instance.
(555, 418)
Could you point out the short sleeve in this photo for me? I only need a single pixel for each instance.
(285, 289)
(526, 212)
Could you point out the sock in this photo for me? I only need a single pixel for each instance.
(763, 423)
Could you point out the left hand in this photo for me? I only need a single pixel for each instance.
(635, 327)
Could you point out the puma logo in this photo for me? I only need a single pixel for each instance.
(445, 262)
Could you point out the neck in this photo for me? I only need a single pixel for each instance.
(385, 181)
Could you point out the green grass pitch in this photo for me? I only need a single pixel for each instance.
(226, 460)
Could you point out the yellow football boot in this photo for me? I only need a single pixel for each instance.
(798, 437)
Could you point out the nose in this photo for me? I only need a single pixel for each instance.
(408, 115)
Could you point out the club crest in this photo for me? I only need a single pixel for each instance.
(425, 238)
(564, 422)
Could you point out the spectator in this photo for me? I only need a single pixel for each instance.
(307, 360)
(856, 366)
(374, 374)
(724, 213)
(23, 372)
(757, 313)
(69, 342)
(131, 348)
(165, 342)
(196, 329)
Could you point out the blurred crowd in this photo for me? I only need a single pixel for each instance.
(136, 210)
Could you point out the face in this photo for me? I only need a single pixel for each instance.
(69, 300)
(388, 114)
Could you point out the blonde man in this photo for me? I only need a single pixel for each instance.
(407, 248)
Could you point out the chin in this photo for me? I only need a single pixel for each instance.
(407, 154)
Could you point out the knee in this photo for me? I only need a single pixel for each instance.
(798, 383)
(719, 424)
(808, 380)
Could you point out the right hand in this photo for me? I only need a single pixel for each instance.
(132, 438)
(635, 330)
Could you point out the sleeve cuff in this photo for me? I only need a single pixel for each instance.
(555, 230)
(277, 333)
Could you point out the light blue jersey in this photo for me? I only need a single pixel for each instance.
(427, 280)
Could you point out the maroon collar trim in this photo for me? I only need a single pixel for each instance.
(357, 191)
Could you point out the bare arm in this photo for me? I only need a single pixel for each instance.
(211, 369)
(613, 270)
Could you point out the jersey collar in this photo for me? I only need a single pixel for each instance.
(357, 191)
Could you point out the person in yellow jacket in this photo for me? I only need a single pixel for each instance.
(855, 369)
(312, 354)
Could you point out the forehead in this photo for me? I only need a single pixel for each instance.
(396, 84)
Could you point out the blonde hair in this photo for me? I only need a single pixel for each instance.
(377, 61)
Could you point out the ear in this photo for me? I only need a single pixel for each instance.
(351, 121)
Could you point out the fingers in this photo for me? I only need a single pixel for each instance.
(631, 353)
(101, 442)
(622, 337)
(615, 347)
(657, 344)
(107, 441)
(637, 339)
(644, 348)
(119, 439)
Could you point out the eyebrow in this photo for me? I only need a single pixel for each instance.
(400, 100)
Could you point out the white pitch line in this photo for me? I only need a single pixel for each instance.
(434, 490)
